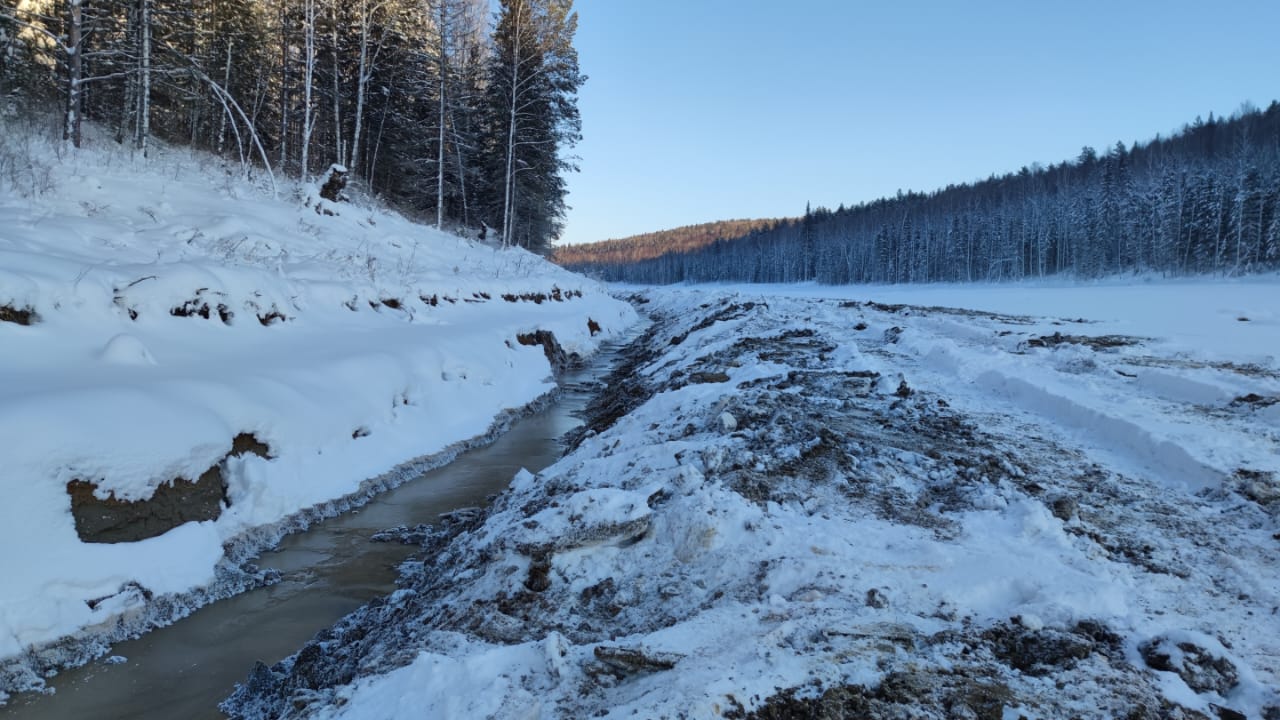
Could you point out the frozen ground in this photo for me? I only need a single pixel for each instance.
(1064, 505)
(151, 311)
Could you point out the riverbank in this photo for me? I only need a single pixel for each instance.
(795, 508)
(195, 366)
(320, 574)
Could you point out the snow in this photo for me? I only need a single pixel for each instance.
(912, 494)
(180, 305)
(1196, 315)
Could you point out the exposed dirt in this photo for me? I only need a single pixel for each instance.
(627, 390)
(725, 313)
(109, 520)
(556, 355)
(908, 310)
(555, 295)
(202, 306)
(1245, 369)
(1255, 400)
(18, 316)
(335, 183)
(1099, 342)
(1200, 669)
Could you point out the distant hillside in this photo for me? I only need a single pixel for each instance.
(1205, 200)
(651, 245)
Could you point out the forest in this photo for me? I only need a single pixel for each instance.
(654, 244)
(451, 115)
(1204, 201)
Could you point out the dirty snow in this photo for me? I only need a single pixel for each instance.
(1062, 504)
(152, 310)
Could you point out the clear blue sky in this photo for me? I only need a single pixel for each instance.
(699, 110)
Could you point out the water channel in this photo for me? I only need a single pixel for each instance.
(186, 669)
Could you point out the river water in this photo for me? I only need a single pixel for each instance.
(186, 669)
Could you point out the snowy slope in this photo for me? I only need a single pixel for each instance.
(798, 507)
(153, 310)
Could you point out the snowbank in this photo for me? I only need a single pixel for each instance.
(153, 311)
(817, 508)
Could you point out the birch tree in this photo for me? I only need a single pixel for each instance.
(310, 12)
(142, 121)
(532, 99)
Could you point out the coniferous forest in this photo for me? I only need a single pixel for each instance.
(452, 115)
(1206, 200)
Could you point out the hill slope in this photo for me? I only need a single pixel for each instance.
(647, 246)
(192, 366)
(1205, 200)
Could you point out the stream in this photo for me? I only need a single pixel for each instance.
(184, 670)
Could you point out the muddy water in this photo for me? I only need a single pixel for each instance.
(185, 670)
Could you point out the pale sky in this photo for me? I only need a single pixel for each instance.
(700, 110)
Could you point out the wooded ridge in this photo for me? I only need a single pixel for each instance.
(452, 116)
(1206, 200)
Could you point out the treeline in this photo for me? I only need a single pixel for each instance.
(439, 109)
(651, 245)
(1206, 200)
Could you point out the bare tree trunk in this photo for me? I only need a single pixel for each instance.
(509, 177)
(75, 71)
(363, 76)
(362, 83)
(308, 81)
(284, 88)
(377, 144)
(226, 83)
(144, 92)
(129, 107)
(443, 66)
(462, 176)
(337, 107)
